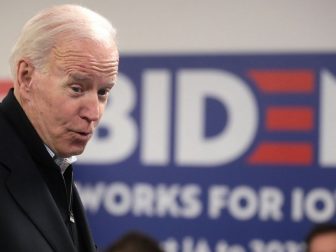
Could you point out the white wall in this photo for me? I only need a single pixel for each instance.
(197, 26)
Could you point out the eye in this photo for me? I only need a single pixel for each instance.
(103, 92)
(76, 89)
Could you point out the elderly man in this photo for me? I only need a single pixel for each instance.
(64, 65)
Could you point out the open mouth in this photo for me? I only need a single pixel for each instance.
(83, 134)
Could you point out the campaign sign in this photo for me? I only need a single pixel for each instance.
(215, 153)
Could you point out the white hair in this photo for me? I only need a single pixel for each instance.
(40, 34)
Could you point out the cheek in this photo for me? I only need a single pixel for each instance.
(53, 110)
(65, 113)
(102, 109)
(42, 105)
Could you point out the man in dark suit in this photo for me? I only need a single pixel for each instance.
(64, 64)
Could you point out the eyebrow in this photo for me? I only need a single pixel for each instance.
(86, 78)
(80, 77)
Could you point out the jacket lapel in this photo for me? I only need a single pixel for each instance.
(24, 154)
(83, 227)
(31, 193)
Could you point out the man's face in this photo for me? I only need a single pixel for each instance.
(324, 243)
(67, 100)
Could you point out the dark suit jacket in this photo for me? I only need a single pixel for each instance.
(31, 195)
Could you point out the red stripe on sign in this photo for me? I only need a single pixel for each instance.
(279, 81)
(5, 85)
(282, 153)
(289, 119)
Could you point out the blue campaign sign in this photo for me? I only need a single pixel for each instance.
(215, 153)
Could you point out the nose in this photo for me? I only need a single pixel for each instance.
(90, 110)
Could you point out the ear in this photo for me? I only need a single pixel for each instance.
(25, 72)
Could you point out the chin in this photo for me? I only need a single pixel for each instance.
(71, 152)
(72, 148)
(76, 153)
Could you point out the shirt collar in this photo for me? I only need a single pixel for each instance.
(63, 163)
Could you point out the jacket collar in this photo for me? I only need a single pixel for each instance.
(33, 144)
(25, 183)
(23, 127)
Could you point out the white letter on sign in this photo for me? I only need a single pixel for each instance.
(193, 87)
(155, 114)
(327, 139)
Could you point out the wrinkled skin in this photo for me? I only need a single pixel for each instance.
(66, 99)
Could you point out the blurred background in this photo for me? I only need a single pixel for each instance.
(220, 135)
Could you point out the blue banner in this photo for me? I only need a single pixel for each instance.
(215, 153)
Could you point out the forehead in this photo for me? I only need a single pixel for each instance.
(86, 58)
